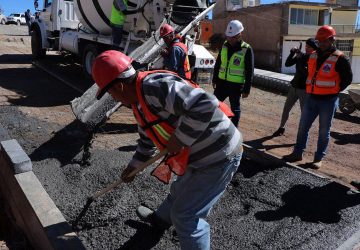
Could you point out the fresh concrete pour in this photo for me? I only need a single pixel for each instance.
(265, 207)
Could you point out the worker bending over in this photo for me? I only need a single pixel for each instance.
(204, 146)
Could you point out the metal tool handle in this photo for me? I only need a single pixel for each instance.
(133, 173)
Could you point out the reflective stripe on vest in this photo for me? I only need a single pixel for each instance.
(117, 16)
(159, 131)
(325, 80)
(187, 69)
(233, 70)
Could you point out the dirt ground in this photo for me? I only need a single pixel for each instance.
(35, 110)
(260, 117)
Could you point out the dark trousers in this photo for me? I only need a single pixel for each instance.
(233, 91)
(117, 32)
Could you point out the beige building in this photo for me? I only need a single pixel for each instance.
(273, 29)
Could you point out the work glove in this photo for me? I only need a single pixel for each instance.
(125, 174)
(174, 146)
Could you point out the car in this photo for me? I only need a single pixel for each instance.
(2, 19)
(16, 18)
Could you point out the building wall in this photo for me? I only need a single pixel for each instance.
(222, 6)
(355, 63)
(344, 17)
(264, 26)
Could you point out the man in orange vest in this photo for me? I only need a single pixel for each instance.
(329, 72)
(204, 146)
(176, 54)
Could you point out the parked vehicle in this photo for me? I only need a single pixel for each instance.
(2, 19)
(16, 18)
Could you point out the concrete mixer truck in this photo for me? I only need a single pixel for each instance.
(82, 27)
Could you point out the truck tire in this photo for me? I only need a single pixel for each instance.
(18, 22)
(90, 52)
(36, 45)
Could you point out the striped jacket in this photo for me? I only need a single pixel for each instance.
(199, 123)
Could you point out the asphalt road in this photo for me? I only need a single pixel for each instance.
(265, 207)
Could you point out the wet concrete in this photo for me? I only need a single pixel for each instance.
(266, 207)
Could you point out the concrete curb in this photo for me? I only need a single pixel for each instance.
(30, 205)
(265, 157)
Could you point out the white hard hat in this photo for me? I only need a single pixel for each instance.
(234, 28)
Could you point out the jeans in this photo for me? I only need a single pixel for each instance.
(233, 91)
(293, 95)
(117, 32)
(325, 109)
(190, 200)
(29, 26)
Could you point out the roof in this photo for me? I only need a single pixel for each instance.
(335, 6)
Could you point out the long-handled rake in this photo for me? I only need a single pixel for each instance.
(115, 184)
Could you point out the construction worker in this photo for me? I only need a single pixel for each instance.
(176, 55)
(329, 73)
(204, 148)
(28, 19)
(234, 69)
(117, 19)
(297, 87)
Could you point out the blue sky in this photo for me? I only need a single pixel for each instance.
(10, 6)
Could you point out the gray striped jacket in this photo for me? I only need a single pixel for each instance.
(199, 123)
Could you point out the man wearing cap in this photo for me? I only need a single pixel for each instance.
(176, 55)
(234, 69)
(119, 10)
(297, 87)
(204, 147)
(329, 72)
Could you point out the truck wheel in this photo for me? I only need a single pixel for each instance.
(18, 23)
(36, 45)
(347, 106)
(89, 55)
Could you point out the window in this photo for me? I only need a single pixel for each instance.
(251, 3)
(304, 16)
(22, 15)
(15, 15)
(233, 5)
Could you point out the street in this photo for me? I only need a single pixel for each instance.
(266, 206)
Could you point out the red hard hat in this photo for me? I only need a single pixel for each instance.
(107, 67)
(165, 30)
(325, 32)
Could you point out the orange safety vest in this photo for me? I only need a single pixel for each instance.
(160, 131)
(325, 80)
(187, 69)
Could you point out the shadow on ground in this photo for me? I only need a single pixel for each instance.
(259, 143)
(33, 89)
(348, 118)
(146, 237)
(343, 139)
(318, 204)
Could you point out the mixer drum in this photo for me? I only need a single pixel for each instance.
(95, 14)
